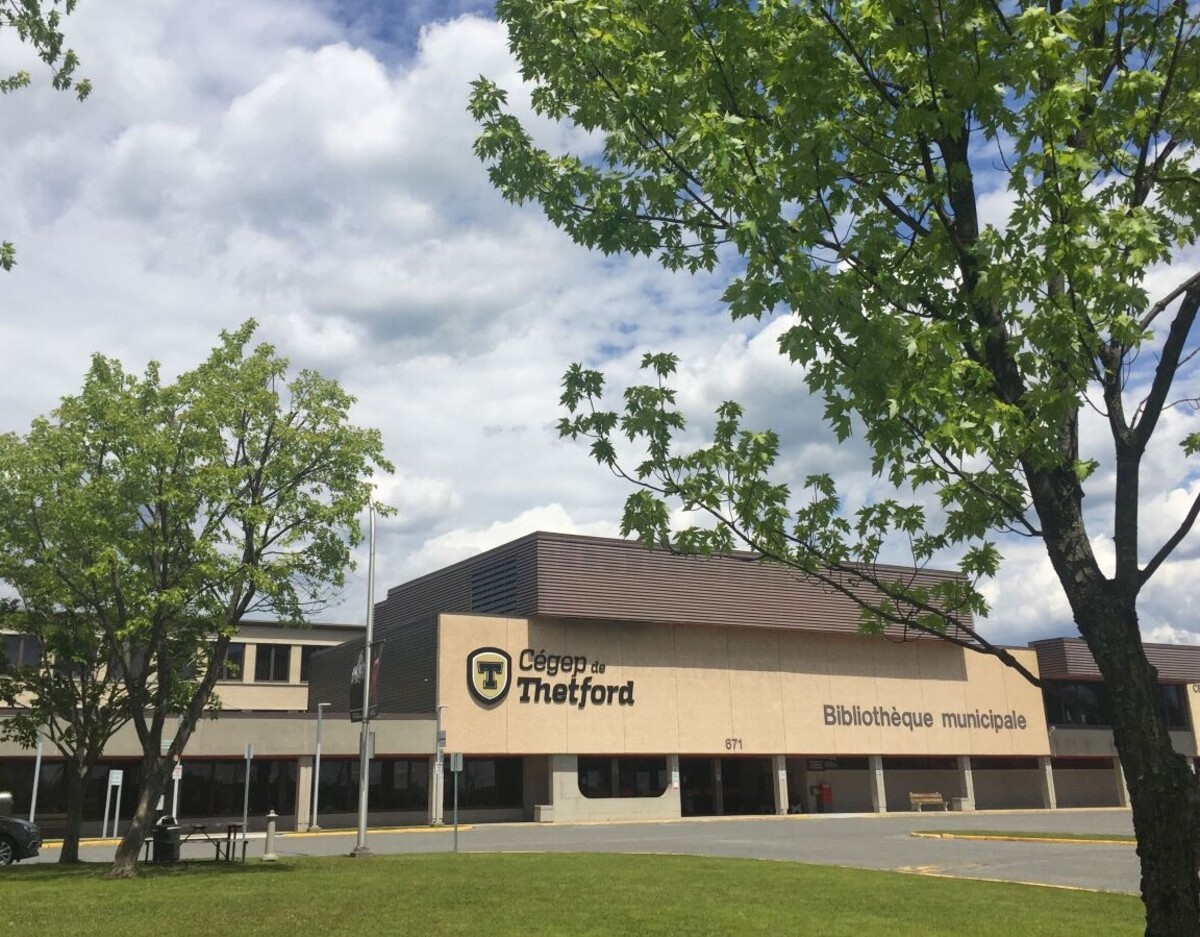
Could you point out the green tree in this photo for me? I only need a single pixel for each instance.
(36, 24)
(157, 515)
(957, 205)
(66, 692)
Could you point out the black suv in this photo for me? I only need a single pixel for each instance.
(19, 839)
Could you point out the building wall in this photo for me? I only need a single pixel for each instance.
(1007, 788)
(898, 784)
(407, 667)
(699, 690)
(570, 805)
(1094, 786)
(276, 735)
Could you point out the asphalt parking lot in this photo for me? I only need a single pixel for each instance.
(877, 842)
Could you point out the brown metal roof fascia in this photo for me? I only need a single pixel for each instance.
(1070, 659)
(591, 577)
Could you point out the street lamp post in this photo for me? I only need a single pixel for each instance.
(316, 786)
(439, 771)
(37, 775)
(364, 771)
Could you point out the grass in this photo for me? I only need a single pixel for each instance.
(536, 894)
(1031, 836)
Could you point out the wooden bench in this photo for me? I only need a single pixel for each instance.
(919, 802)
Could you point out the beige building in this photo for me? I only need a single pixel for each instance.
(583, 678)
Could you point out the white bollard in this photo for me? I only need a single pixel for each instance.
(269, 853)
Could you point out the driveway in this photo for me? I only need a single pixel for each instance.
(863, 841)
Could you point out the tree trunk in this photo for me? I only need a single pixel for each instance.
(155, 770)
(1163, 791)
(76, 774)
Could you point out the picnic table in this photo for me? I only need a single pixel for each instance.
(224, 845)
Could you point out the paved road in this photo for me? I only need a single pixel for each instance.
(879, 842)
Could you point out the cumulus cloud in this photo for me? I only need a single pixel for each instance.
(310, 165)
(459, 544)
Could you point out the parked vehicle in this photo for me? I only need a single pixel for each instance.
(19, 839)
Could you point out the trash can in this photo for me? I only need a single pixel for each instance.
(166, 840)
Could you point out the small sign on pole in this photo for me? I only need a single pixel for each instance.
(456, 764)
(176, 777)
(246, 797)
(116, 778)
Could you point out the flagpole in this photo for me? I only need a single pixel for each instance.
(364, 744)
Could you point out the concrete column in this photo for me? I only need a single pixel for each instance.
(615, 778)
(1046, 777)
(304, 782)
(966, 781)
(437, 788)
(718, 789)
(878, 790)
(1122, 787)
(780, 785)
(565, 798)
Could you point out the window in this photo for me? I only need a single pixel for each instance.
(641, 777)
(1003, 763)
(235, 659)
(216, 787)
(272, 663)
(1085, 703)
(306, 653)
(1076, 703)
(395, 784)
(1173, 702)
(487, 783)
(622, 777)
(595, 777)
(20, 650)
(920, 764)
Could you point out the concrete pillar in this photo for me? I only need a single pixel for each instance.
(779, 772)
(878, 790)
(304, 782)
(1046, 777)
(565, 798)
(615, 778)
(437, 788)
(966, 782)
(1122, 787)
(718, 789)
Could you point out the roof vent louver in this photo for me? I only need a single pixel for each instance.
(494, 588)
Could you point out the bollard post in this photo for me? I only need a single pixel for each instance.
(269, 852)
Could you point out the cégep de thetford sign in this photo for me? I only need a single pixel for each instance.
(490, 675)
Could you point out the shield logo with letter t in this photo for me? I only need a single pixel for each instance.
(489, 672)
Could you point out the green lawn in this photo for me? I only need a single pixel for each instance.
(493, 895)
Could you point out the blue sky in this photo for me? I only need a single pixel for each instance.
(309, 164)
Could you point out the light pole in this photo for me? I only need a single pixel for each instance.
(364, 770)
(316, 787)
(37, 775)
(439, 771)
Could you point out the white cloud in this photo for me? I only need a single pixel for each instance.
(459, 544)
(287, 161)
